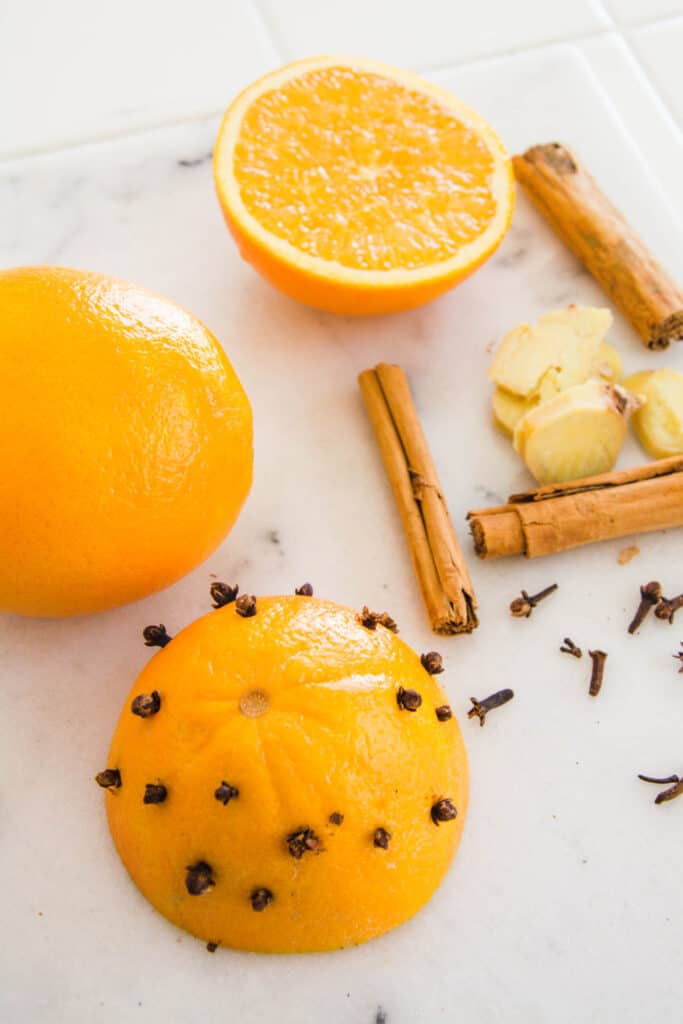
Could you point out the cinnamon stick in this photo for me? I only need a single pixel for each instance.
(436, 554)
(599, 235)
(562, 516)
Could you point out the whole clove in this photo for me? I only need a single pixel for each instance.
(381, 839)
(523, 606)
(666, 794)
(443, 810)
(223, 593)
(670, 794)
(302, 840)
(246, 606)
(679, 657)
(597, 671)
(443, 713)
(305, 590)
(199, 878)
(110, 778)
(650, 595)
(225, 792)
(481, 708)
(155, 636)
(371, 620)
(211, 947)
(432, 662)
(146, 704)
(260, 899)
(408, 700)
(569, 647)
(667, 607)
(154, 794)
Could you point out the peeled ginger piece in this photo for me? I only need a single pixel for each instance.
(567, 341)
(607, 363)
(577, 433)
(659, 423)
(508, 409)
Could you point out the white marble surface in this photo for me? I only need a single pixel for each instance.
(564, 903)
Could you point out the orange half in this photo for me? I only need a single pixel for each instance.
(358, 188)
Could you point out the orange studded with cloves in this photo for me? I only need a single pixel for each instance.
(303, 809)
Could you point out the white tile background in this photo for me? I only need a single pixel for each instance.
(564, 905)
(75, 71)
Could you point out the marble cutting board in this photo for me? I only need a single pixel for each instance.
(564, 903)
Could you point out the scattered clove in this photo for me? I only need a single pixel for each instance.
(679, 657)
(667, 607)
(260, 899)
(381, 839)
(388, 623)
(155, 636)
(246, 606)
(336, 818)
(211, 947)
(110, 778)
(666, 794)
(480, 708)
(597, 671)
(225, 792)
(154, 794)
(650, 595)
(146, 704)
(408, 700)
(223, 593)
(373, 619)
(432, 662)
(443, 810)
(670, 794)
(444, 712)
(569, 647)
(305, 590)
(302, 840)
(199, 878)
(368, 619)
(523, 606)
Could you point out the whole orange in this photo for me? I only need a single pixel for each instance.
(280, 778)
(360, 188)
(126, 439)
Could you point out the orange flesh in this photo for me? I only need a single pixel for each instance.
(353, 167)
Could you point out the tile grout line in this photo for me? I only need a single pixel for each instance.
(649, 171)
(622, 31)
(37, 152)
(522, 51)
(653, 85)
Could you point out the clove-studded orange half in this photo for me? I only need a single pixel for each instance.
(359, 188)
(126, 442)
(286, 776)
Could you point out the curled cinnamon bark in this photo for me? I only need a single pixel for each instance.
(562, 516)
(600, 236)
(437, 558)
